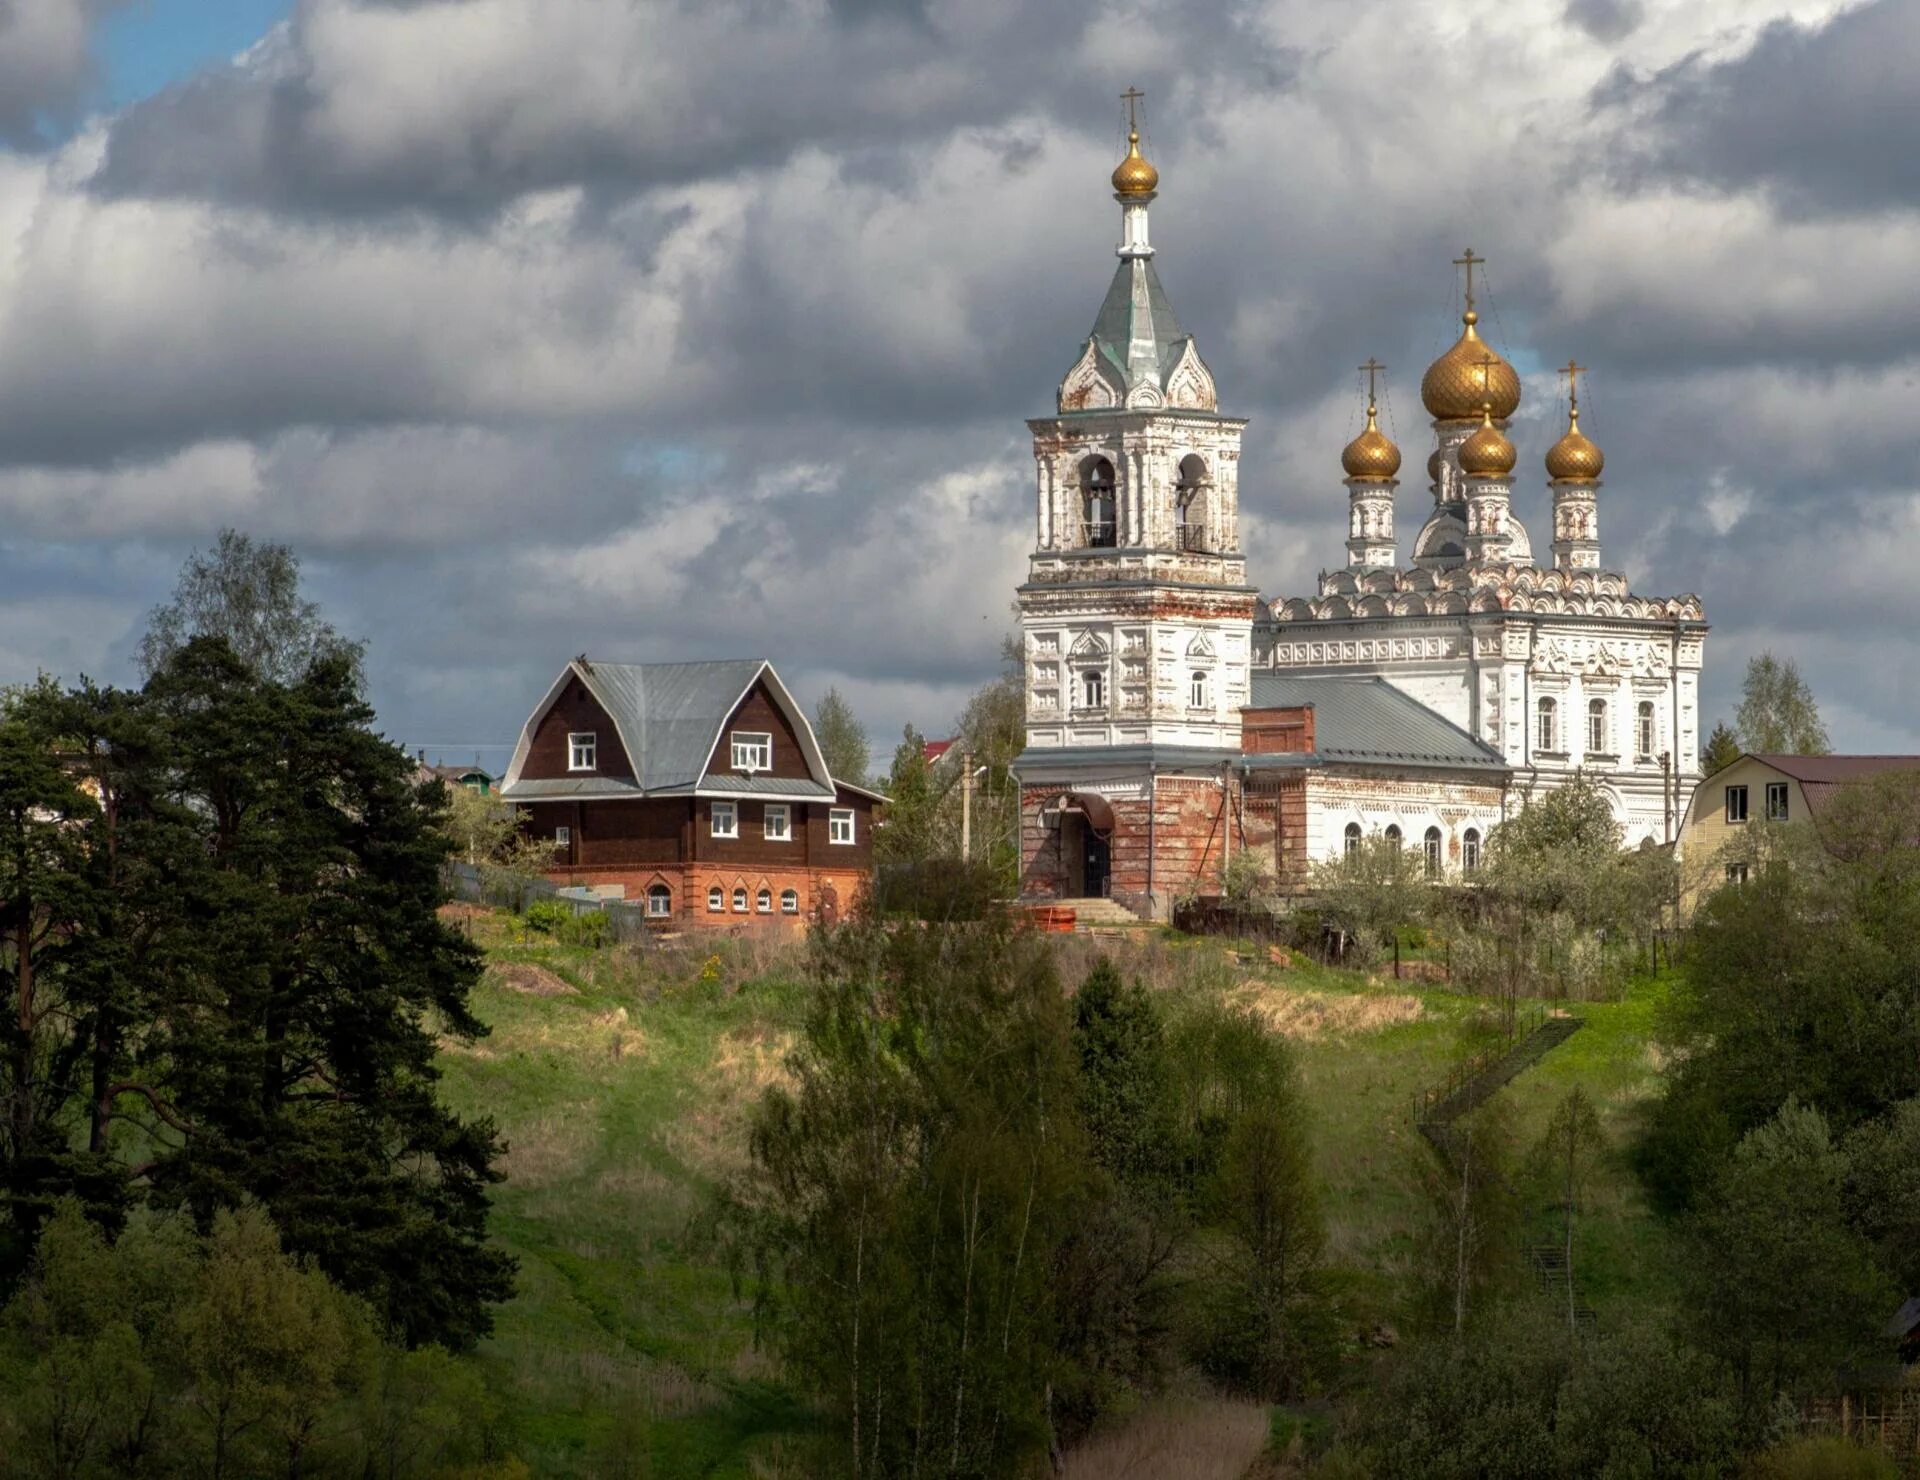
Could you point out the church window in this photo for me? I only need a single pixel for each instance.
(1470, 850)
(1645, 725)
(763, 901)
(1198, 696)
(1546, 726)
(739, 901)
(1776, 801)
(1736, 804)
(1098, 503)
(726, 820)
(582, 745)
(1352, 839)
(1430, 846)
(659, 901)
(1093, 689)
(789, 901)
(778, 824)
(1597, 727)
(1393, 833)
(1190, 502)
(716, 900)
(752, 752)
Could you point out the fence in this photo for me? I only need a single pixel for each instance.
(1889, 1420)
(1520, 1025)
(626, 918)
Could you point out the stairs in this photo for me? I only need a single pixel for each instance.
(1549, 1265)
(1505, 1069)
(1092, 916)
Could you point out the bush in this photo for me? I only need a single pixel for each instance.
(561, 921)
(1825, 1458)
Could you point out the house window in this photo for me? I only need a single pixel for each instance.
(763, 901)
(1197, 695)
(659, 901)
(1093, 689)
(1470, 850)
(1597, 727)
(778, 827)
(1776, 801)
(1546, 728)
(1430, 846)
(563, 837)
(1393, 833)
(716, 899)
(726, 820)
(840, 825)
(582, 748)
(1736, 804)
(752, 752)
(1352, 838)
(739, 901)
(789, 901)
(1646, 731)
(1736, 873)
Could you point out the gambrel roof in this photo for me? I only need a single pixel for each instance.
(669, 718)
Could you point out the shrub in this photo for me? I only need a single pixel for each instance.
(1824, 1458)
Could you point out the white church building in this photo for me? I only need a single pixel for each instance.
(1176, 717)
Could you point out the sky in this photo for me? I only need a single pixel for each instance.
(664, 330)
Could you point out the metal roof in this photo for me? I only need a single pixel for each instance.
(766, 786)
(1368, 720)
(1136, 304)
(575, 788)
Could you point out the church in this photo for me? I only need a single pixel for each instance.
(1176, 717)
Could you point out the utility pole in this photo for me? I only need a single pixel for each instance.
(966, 805)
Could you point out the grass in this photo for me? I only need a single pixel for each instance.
(622, 1082)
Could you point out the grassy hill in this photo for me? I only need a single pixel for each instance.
(621, 1079)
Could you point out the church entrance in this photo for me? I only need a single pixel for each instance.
(1086, 849)
(1097, 870)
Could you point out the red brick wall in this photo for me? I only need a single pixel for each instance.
(824, 893)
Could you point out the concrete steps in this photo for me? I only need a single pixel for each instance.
(1091, 915)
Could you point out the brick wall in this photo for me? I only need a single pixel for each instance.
(823, 893)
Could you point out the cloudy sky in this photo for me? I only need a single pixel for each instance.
(671, 330)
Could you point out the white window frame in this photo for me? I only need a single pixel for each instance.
(1093, 689)
(1777, 791)
(1736, 873)
(740, 900)
(563, 837)
(731, 812)
(789, 901)
(763, 901)
(782, 834)
(1546, 724)
(1597, 727)
(583, 750)
(1470, 850)
(1350, 838)
(1647, 729)
(1199, 690)
(1433, 852)
(716, 900)
(1728, 795)
(1395, 836)
(659, 901)
(837, 818)
(752, 750)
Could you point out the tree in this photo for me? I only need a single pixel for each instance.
(914, 831)
(1470, 1213)
(480, 826)
(1721, 750)
(250, 595)
(1777, 713)
(1127, 1088)
(843, 739)
(1778, 1283)
(1371, 889)
(1563, 1160)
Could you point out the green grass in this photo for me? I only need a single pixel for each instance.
(623, 1102)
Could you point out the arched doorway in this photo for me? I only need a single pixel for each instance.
(1086, 845)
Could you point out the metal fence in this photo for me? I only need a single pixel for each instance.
(626, 918)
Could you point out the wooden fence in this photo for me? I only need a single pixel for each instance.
(1889, 1420)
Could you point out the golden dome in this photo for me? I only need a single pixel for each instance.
(1133, 175)
(1574, 458)
(1371, 455)
(1462, 380)
(1433, 467)
(1486, 454)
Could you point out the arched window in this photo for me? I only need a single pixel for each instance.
(1470, 850)
(1190, 502)
(1430, 846)
(716, 899)
(739, 901)
(1351, 838)
(1644, 726)
(1546, 730)
(1597, 727)
(1199, 693)
(1098, 504)
(763, 901)
(1093, 689)
(789, 901)
(659, 901)
(1393, 833)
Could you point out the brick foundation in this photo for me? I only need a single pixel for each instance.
(822, 894)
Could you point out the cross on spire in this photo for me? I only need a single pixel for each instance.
(1372, 368)
(1469, 261)
(1131, 96)
(1487, 362)
(1573, 373)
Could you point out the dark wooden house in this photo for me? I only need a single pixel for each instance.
(697, 788)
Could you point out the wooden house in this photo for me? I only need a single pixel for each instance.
(695, 787)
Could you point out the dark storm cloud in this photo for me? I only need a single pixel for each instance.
(1606, 20)
(1828, 116)
(46, 59)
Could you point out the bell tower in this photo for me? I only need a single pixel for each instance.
(1136, 617)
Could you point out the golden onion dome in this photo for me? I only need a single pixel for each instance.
(1469, 376)
(1371, 455)
(1433, 467)
(1486, 454)
(1574, 458)
(1133, 175)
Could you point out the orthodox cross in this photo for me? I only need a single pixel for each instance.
(1572, 372)
(1469, 261)
(1372, 368)
(1131, 96)
(1487, 362)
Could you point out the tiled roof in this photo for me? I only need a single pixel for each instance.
(1368, 720)
(1822, 777)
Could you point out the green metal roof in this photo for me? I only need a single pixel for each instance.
(1368, 720)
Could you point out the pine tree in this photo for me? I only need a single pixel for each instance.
(1721, 750)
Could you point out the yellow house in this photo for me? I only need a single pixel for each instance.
(1756, 791)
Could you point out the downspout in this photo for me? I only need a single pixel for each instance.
(1673, 678)
(1153, 808)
